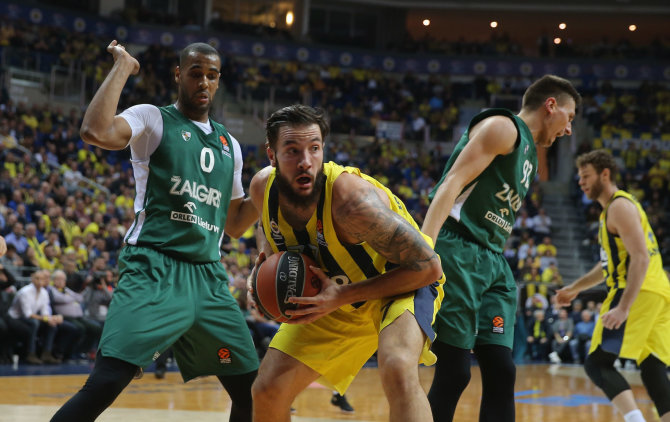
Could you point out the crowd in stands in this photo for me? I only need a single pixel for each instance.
(499, 44)
(65, 206)
(502, 45)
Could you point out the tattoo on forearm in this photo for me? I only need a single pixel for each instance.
(368, 219)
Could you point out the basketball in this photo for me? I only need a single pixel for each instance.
(279, 277)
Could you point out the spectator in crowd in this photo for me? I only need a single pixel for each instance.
(533, 281)
(17, 238)
(551, 277)
(538, 337)
(7, 291)
(541, 224)
(536, 301)
(524, 223)
(546, 246)
(527, 249)
(97, 297)
(74, 278)
(562, 330)
(11, 261)
(30, 315)
(69, 303)
(576, 311)
(581, 343)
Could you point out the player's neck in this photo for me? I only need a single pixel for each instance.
(192, 114)
(607, 194)
(296, 216)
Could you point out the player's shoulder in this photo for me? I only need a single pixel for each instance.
(143, 109)
(260, 179)
(499, 125)
(350, 188)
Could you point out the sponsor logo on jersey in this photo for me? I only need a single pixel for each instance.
(225, 147)
(498, 324)
(186, 135)
(498, 221)
(276, 234)
(320, 238)
(190, 206)
(194, 219)
(224, 355)
(201, 193)
(525, 150)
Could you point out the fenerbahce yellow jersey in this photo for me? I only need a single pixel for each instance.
(614, 256)
(344, 263)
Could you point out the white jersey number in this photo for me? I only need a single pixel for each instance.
(206, 160)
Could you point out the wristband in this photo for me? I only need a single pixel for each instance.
(45, 318)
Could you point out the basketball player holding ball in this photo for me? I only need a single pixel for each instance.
(381, 279)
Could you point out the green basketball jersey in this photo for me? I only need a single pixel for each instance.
(184, 190)
(486, 209)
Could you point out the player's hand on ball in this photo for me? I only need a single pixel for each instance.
(251, 303)
(315, 307)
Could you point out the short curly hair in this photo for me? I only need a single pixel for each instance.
(600, 160)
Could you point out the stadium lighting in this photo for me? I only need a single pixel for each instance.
(289, 18)
(494, 24)
(562, 25)
(426, 22)
(632, 28)
(557, 40)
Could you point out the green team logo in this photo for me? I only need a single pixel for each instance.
(186, 135)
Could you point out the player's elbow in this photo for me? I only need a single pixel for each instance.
(642, 259)
(434, 269)
(101, 139)
(89, 135)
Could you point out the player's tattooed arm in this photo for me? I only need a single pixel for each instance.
(365, 217)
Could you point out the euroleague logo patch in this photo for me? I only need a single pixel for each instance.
(224, 355)
(498, 324)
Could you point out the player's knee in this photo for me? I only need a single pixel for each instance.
(594, 370)
(655, 380)
(238, 388)
(398, 370)
(497, 366)
(453, 365)
(599, 366)
(264, 389)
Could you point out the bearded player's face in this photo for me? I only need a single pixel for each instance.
(298, 157)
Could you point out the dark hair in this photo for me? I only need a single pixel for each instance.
(600, 160)
(549, 86)
(197, 47)
(295, 115)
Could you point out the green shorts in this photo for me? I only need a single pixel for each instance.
(161, 302)
(479, 305)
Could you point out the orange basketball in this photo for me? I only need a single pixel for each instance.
(281, 276)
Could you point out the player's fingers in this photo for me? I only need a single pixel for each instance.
(302, 300)
(300, 311)
(319, 272)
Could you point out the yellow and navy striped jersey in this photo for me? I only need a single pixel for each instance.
(344, 263)
(615, 259)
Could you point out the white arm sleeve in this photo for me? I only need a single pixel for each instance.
(146, 123)
(238, 190)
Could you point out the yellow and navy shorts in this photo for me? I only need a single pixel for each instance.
(338, 345)
(645, 332)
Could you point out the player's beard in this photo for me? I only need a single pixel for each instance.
(596, 190)
(190, 108)
(301, 201)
